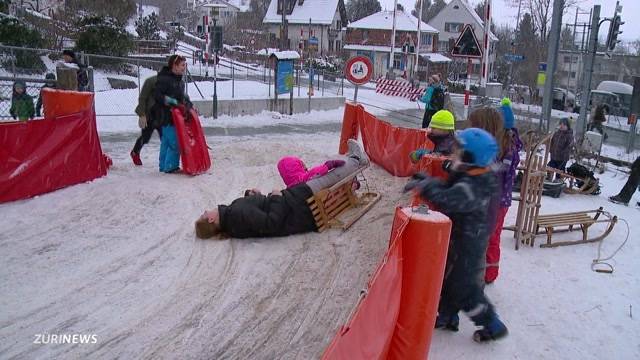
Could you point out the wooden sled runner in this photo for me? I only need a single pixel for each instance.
(580, 218)
(588, 185)
(340, 206)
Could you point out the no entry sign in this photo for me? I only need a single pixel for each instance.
(358, 70)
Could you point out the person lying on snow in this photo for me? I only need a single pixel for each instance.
(282, 212)
(294, 171)
(465, 199)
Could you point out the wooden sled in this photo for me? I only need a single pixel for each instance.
(339, 206)
(570, 220)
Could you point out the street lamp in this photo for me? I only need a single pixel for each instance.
(214, 10)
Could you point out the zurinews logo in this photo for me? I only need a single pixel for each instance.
(65, 339)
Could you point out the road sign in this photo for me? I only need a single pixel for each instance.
(513, 57)
(313, 41)
(358, 70)
(467, 44)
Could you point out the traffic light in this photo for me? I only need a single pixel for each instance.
(614, 31)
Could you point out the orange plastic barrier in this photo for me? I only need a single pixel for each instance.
(387, 145)
(395, 319)
(60, 150)
(349, 125)
(368, 333)
(58, 103)
(425, 242)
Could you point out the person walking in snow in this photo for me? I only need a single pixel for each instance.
(21, 102)
(282, 212)
(145, 118)
(433, 98)
(50, 83)
(508, 161)
(465, 198)
(630, 186)
(561, 144)
(169, 92)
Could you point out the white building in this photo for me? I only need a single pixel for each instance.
(324, 20)
(371, 37)
(226, 13)
(451, 20)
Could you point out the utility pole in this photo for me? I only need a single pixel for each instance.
(513, 47)
(393, 35)
(284, 34)
(588, 71)
(486, 46)
(552, 60)
(415, 68)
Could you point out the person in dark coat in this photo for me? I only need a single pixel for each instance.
(83, 76)
(630, 186)
(145, 118)
(50, 83)
(169, 92)
(598, 119)
(465, 198)
(561, 144)
(435, 91)
(282, 212)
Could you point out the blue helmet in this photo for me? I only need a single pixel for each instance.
(479, 144)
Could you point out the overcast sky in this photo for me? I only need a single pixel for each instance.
(507, 14)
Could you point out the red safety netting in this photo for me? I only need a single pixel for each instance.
(44, 155)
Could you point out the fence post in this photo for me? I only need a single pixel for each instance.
(342, 85)
(139, 77)
(322, 82)
(13, 62)
(298, 80)
(233, 80)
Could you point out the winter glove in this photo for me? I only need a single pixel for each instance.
(332, 164)
(142, 122)
(416, 155)
(169, 101)
(418, 182)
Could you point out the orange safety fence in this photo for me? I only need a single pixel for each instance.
(387, 145)
(396, 317)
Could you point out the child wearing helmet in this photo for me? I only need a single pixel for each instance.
(441, 133)
(465, 198)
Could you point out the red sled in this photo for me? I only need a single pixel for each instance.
(194, 152)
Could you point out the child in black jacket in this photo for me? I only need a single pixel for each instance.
(465, 198)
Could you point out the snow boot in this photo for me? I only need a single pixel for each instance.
(448, 322)
(136, 158)
(618, 200)
(494, 331)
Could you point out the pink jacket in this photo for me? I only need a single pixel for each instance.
(293, 171)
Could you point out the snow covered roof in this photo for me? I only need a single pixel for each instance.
(286, 55)
(242, 5)
(319, 11)
(384, 20)
(376, 48)
(473, 13)
(435, 57)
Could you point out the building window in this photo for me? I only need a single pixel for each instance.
(397, 61)
(365, 34)
(453, 27)
(573, 74)
(425, 39)
(567, 59)
(443, 45)
(338, 24)
(330, 45)
(338, 45)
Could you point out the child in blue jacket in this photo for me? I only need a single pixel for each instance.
(465, 198)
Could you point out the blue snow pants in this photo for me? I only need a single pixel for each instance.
(169, 150)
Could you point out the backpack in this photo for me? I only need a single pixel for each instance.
(437, 99)
(581, 171)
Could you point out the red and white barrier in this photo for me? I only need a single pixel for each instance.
(399, 88)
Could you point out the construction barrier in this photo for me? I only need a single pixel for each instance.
(403, 293)
(400, 88)
(44, 155)
(387, 145)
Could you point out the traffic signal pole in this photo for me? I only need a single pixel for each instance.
(588, 72)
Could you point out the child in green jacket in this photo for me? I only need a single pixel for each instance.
(21, 103)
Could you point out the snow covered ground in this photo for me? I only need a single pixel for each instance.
(117, 257)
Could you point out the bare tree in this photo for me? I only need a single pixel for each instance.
(541, 12)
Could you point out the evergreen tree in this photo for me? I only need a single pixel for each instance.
(103, 35)
(429, 9)
(122, 10)
(358, 9)
(147, 27)
(15, 33)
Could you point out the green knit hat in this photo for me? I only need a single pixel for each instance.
(442, 120)
(505, 101)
